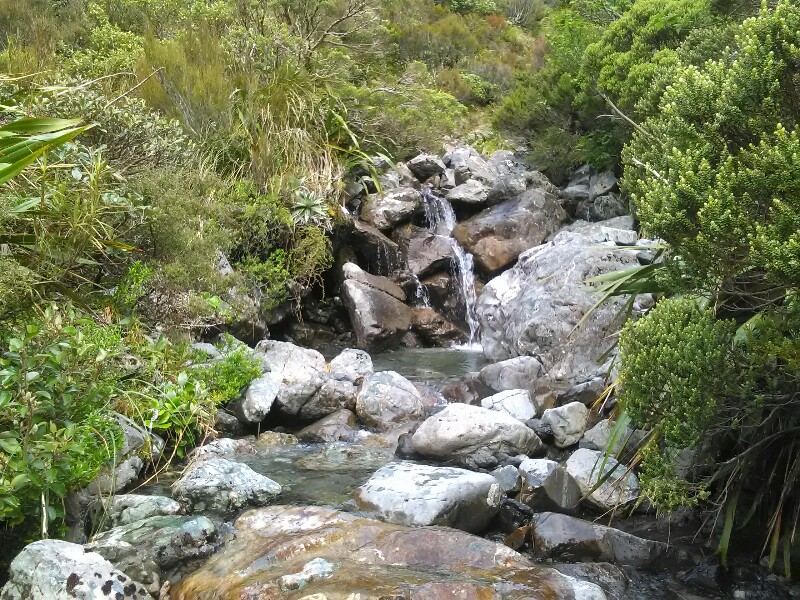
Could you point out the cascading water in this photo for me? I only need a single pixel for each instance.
(441, 220)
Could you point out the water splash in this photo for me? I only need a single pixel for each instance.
(441, 220)
(423, 298)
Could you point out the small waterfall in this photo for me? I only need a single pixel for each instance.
(441, 220)
(423, 298)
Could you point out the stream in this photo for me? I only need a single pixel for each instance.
(327, 474)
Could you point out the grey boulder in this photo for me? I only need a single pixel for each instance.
(515, 403)
(123, 509)
(567, 422)
(387, 209)
(222, 486)
(426, 166)
(255, 404)
(419, 495)
(545, 485)
(474, 436)
(377, 310)
(352, 364)
(387, 399)
(339, 426)
(57, 570)
(587, 467)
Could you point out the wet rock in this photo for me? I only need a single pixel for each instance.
(474, 166)
(545, 485)
(387, 399)
(426, 166)
(609, 577)
(372, 558)
(253, 407)
(516, 403)
(434, 328)
(418, 495)
(507, 478)
(533, 308)
(340, 426)
(376, 307)
(353, 365)
(474, 436)
(542, 429)
(424, 252)
(568, 423)
(376, 252)
(221, 486)
(124, 509)
(618, 490)
(561, 537)
(386, 210)
(312, 571)
(158, 549)
(224, 447)
(297, 371)
(498, 235)
(469, 193)
(57, 570)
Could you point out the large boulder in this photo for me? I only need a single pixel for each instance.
(619, 230)
(567, 423)
(222, 486)
(124, 509)
(435, 328)
(365, 559)
(545, 485)
(541, 307)
(520, 372)
(425, 253)
(255, 404)
(334, 394)
(377, 310)
(498, 235)
(374, 250)
(516, 403)
(158, 549)
(391, 207)
(387, 399)
(561, 537)
(418, 495)
(351, 364)
(620, 487)
(340, 426)
(299, 373)
(57, 570)
(426, 166)
(474, 436)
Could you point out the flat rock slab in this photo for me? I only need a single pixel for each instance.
(364, 559)
(417, 495)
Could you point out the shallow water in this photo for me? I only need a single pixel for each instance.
(431, 365)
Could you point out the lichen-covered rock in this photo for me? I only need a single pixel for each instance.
(418, 495)
(387, 209)
(159, 548)
(352, 364)
(620, 489)
(474, 436)
(387, 399)
(222, 486)
(56, 570)
(567, 423)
